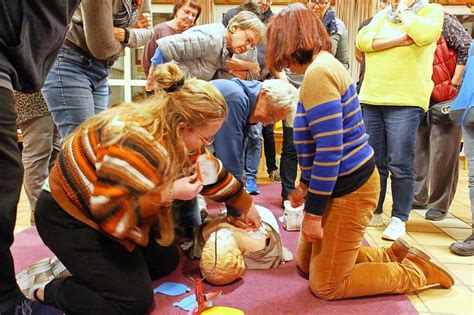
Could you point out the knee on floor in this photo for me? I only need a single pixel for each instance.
(326, 291)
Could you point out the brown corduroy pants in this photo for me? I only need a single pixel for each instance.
(339, 266)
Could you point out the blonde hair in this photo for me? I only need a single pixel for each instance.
(194, 102)
(229, 264)
(283, 96)
(248, 20)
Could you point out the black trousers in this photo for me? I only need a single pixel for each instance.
(11, 177)
(288, 163)
(269, 148)
(107, 278)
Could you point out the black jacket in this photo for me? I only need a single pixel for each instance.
(31, 34)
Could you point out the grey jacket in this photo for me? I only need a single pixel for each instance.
(340, 43)
(199, 51)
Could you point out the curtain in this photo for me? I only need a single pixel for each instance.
(207, 12)
(345, 10)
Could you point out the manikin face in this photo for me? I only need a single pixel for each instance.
(242, 40)
(197, 137)
(186, 17)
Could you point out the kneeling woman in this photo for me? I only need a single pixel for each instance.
(339, 180)
(108, 213)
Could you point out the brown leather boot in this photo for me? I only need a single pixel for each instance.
(434, 274)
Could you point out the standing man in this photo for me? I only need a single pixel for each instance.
(31, 34)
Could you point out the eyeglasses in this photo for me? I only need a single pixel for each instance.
(318, 3)
(248, 40)
(207, 141)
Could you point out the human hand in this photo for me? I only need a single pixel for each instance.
(298, 195)
(249, 221)
(405, 40)
(119, 34)
(312, 228)
(186, 188)
(143, 21)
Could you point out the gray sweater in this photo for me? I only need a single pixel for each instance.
(92, 28)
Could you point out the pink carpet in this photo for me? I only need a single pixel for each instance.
(278, 291)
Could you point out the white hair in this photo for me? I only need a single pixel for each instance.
(284, 96)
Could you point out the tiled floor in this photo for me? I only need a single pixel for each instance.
(435, 238)
(432, 237)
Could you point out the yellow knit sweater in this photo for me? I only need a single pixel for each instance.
(401, 76)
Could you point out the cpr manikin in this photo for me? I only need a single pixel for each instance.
(238, 249)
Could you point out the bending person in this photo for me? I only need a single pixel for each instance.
(111, 192)
(339, 180)
(202, 50)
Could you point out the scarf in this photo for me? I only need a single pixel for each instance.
(127, 14)
(329, 20)
(394, 16)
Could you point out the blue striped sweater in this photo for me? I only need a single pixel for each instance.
(329, 134)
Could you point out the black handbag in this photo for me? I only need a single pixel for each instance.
(439, 113)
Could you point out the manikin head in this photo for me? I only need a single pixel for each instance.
(229, 264)
(233, 244)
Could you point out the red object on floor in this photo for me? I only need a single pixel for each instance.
(277, 291)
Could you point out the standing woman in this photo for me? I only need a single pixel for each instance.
(336, 28)
(339, 180)
(76, 87)
(108, 216)
(401, 40)
(185, 15)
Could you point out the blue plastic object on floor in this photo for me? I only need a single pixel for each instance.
(171, 288)
(187, 304)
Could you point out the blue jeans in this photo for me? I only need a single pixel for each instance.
(392, 132)
(75, 89)
(253, 150)
(468, 135)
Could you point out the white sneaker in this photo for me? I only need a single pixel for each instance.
(396, 228)
(377, 220)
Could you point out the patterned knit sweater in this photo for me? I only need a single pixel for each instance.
(329, 134)
(105, 185)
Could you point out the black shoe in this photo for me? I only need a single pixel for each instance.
(419, 207)
(435, 215)
(464, 248)
(33, 308)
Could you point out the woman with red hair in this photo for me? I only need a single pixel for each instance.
(339, 182)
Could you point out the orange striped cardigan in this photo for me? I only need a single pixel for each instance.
(102, 184)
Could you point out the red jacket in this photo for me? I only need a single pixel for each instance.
(444, 65)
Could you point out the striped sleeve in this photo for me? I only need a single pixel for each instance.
(324, 120)
(125, 172)
(229, 190)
